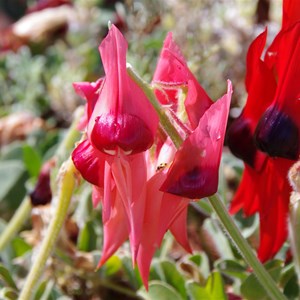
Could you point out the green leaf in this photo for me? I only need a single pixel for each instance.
(196, 259)
(20, 246)
(215, 286)
(11, 172)
(132, 273)
(213, 290)
(87, 237)
(7, 278)
(196, 291)
(174, 277)
(32, 160)
(159, 290)
(252, 290)
(289, 282)
(112, 266)
(47, 291)
(232, 268)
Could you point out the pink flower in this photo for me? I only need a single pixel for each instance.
(171, 73)
(194, 171)
(119, 114)
(144, 195)
(120, 122)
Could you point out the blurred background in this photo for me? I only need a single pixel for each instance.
(47, 45)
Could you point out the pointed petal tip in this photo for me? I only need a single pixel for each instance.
(229, 87)
(101, 262)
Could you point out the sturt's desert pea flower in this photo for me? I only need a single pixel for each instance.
(145, 193)
(266, 134)
(193, 173)
(120, 122)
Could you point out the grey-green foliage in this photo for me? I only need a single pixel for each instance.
(22, 82)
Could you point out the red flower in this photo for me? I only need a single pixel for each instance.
(266, 135)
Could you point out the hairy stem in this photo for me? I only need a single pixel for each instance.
(67, 184)
(164, 119)
(242, 245)
(15, 223)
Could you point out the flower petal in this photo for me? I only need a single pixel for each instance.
(172, 71)
(115, 230)
(89, 162)
(274, 192)
(122, 116)
(194, 172)
(290, 12)
(247, 195)
(130, 176)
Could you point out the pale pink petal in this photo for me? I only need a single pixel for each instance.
(171, 208)
(172, 72)
(130, 176)
(179, 229)
(115, 230)
(197, 101)
(97, 195)
(150, 228)
(90, 92)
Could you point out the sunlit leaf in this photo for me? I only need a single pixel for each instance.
(251, 289)
(160, 290)
(87, 237)
(169, 273)
(214, 289)
(20, 246)
(32, 160)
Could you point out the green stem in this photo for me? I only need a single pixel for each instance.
(16, 222)
(164, 119)
(23, 212)
(294, 227)
(67, 184)
(242, 245)
(67, 180)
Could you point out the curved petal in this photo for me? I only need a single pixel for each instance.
(194, 171)
(290, 12)
(247, 195)
(89, 162)
(172, 71)
(122, 116)
(130, 176)
(115, 230)
(274, 192)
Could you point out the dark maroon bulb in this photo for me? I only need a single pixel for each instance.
(277, 134)
(241, 142)
(42, 194)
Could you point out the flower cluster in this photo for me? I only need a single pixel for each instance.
(142, 181)
(266, 134)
